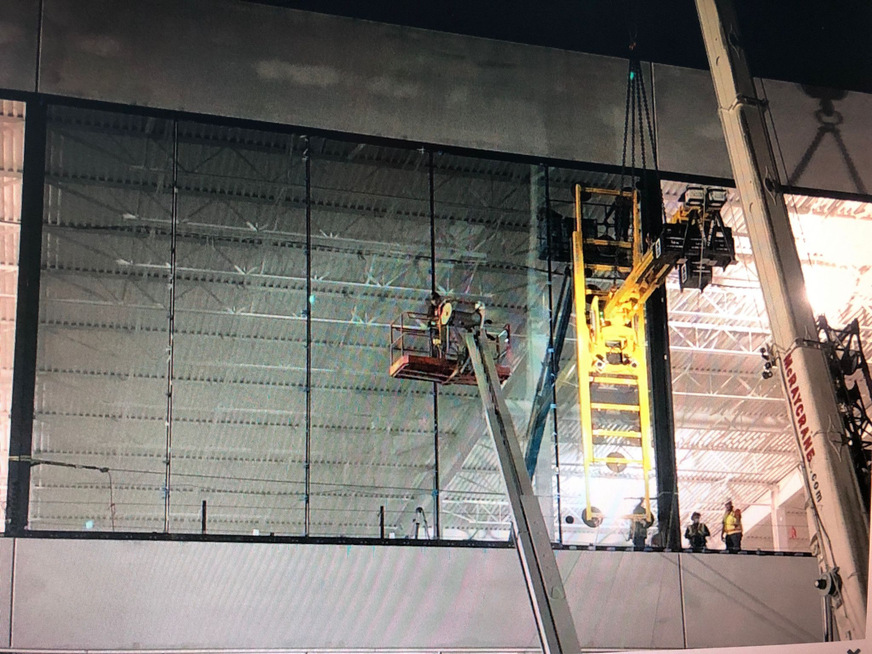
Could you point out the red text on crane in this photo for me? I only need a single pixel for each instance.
(796, 406)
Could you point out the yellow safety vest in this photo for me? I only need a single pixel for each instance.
(732, 523)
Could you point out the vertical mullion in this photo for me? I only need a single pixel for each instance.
(171, 328)
(26, 318)
(308, 312)
(437, 532)
(660, 372)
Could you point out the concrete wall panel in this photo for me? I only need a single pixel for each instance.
(246, 60)
(278, 65)
(84, 594)
(624, 600)
(689, 133)
(19, 20)
(735, 600)
(6, 558)
(824, 147)
(117, 595)
(174, 595)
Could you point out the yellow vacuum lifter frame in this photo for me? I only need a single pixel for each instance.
(621, 320)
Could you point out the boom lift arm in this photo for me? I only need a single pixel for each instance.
(544, 585)
(449, 345)
(836, 501)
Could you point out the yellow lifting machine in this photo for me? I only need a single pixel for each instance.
(613, 389)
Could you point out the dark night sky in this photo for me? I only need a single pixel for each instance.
(820, 42)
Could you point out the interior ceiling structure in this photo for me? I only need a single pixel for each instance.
(248, 398)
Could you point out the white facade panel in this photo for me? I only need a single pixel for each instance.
(90, 594)
(7, 546)
(132, 595)
(735, 600)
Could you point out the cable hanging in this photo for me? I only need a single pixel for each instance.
(637, 116)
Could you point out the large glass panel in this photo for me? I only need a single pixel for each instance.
(236, 347)
(734, 438)
(100, 406)
(372, 443)
(239, 352)
(11, 165)
(486, 249)
(567, 450)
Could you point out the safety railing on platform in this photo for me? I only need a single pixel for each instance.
(422, 349)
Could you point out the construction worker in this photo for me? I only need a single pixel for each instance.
(731, 531)
(697, 532)
(639, 524)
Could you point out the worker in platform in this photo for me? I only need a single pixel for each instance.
(731, 533)
(697, 532)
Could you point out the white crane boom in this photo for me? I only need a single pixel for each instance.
(841, 516)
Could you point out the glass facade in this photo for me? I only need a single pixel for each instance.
(215, 334)
(100, 400)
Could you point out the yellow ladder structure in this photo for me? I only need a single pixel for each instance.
(613, 392)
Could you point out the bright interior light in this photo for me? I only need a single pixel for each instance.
(834, 255)
(829, 291)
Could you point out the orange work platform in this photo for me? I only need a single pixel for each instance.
(412, 352)
(434, 369)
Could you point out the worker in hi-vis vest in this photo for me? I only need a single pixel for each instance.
(731, 532)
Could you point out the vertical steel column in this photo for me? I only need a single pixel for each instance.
(26, 319)
(544, 584)
(437, 529)
(660, 369)
(307, 472)
(171, 328)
